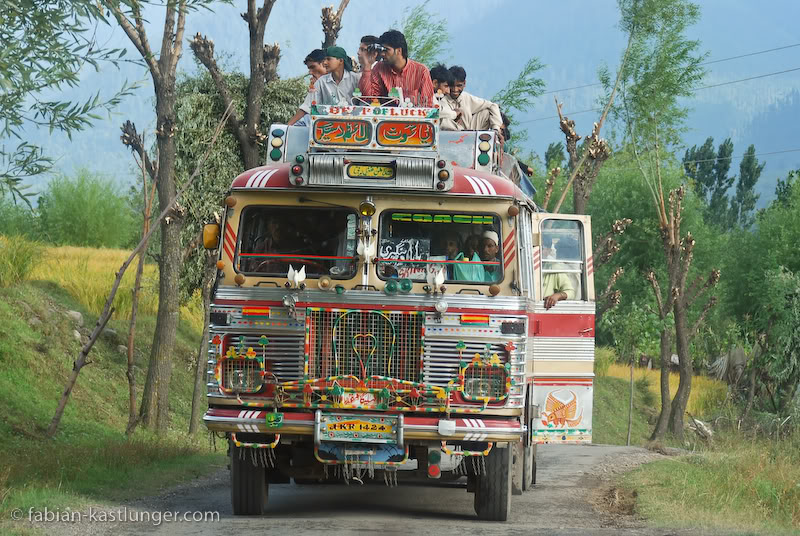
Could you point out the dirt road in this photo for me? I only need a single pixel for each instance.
(568, 499)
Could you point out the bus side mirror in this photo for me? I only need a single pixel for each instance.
(211, 235)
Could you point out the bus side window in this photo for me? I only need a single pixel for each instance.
(563, 263)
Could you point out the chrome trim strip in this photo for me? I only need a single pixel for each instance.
(405, 428)
(346, 300)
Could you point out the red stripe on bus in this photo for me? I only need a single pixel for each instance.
(351, 306)
(560, 325)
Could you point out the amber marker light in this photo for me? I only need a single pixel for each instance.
(230, 201)
(240, 279)
(444, 175)
(494, 290)
(366, 208)
(220, 265)
(513, 210)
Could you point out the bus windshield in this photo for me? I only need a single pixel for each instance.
(321, 239)
(464, 246)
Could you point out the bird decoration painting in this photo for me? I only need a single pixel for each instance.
(435, 279)
(366, 249)
(296, 277)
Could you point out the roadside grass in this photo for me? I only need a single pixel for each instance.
(707, 395)
(738, 484)
(90, 460)
(610, 411)
(87, 274)
(18, 258)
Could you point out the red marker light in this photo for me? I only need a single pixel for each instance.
(298, 180)
(297, 170)
(434, 471)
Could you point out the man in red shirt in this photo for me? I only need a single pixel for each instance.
(397, 70)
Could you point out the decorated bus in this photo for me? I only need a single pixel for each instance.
(378, 312)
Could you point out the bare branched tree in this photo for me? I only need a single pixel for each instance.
(135, 142)
(108, 310)
(332, 23)
(263, 69)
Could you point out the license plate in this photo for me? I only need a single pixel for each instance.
(358, 428)
(360, 171)
(358, 400)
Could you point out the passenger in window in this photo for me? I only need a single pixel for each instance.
(490, 247)
(556, 286)
(452, 247)
(467, 271)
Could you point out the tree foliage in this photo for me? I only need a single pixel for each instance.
(743, 203)
(198, 110)
(426, 34)
(45, 44)
(85, 210)
(518, 96)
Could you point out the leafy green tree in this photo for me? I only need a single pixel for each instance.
(427, 35)
(518, 96)
(743, 203)
(85, 210)
(44, 45)
(784, 188)
(663, 67)
(698, 162)
(199, 107)
(554, 155)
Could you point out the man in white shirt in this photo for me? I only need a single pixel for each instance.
(473, 113)
(337, 86)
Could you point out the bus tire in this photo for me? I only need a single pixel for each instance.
(528, 466)
(493, 493)
(249, 487)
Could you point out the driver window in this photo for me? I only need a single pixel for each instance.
(321, 240)
(563, 266)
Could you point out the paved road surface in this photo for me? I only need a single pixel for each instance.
(560, 504)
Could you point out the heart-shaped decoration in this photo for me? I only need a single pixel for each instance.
(364, 343)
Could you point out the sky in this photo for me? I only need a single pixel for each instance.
(492, 40)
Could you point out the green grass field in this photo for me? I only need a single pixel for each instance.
(90, 460)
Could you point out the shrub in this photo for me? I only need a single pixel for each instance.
(85, 210)
(603, 358)
(18, 257)
(17, 219)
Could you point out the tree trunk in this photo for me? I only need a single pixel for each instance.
(663, 417)
(685, 368)
(202, 353)
(154, 411)
(630, 408)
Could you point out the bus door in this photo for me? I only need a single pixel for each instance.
(561, 327)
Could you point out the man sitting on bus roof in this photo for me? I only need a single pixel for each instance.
(338, 85)
(474, 113)
(397, 70)
(315, 62)
(442, 80)
(368, 52)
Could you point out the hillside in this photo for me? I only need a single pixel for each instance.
(90, 460)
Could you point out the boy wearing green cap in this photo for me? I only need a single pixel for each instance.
(338, 85)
